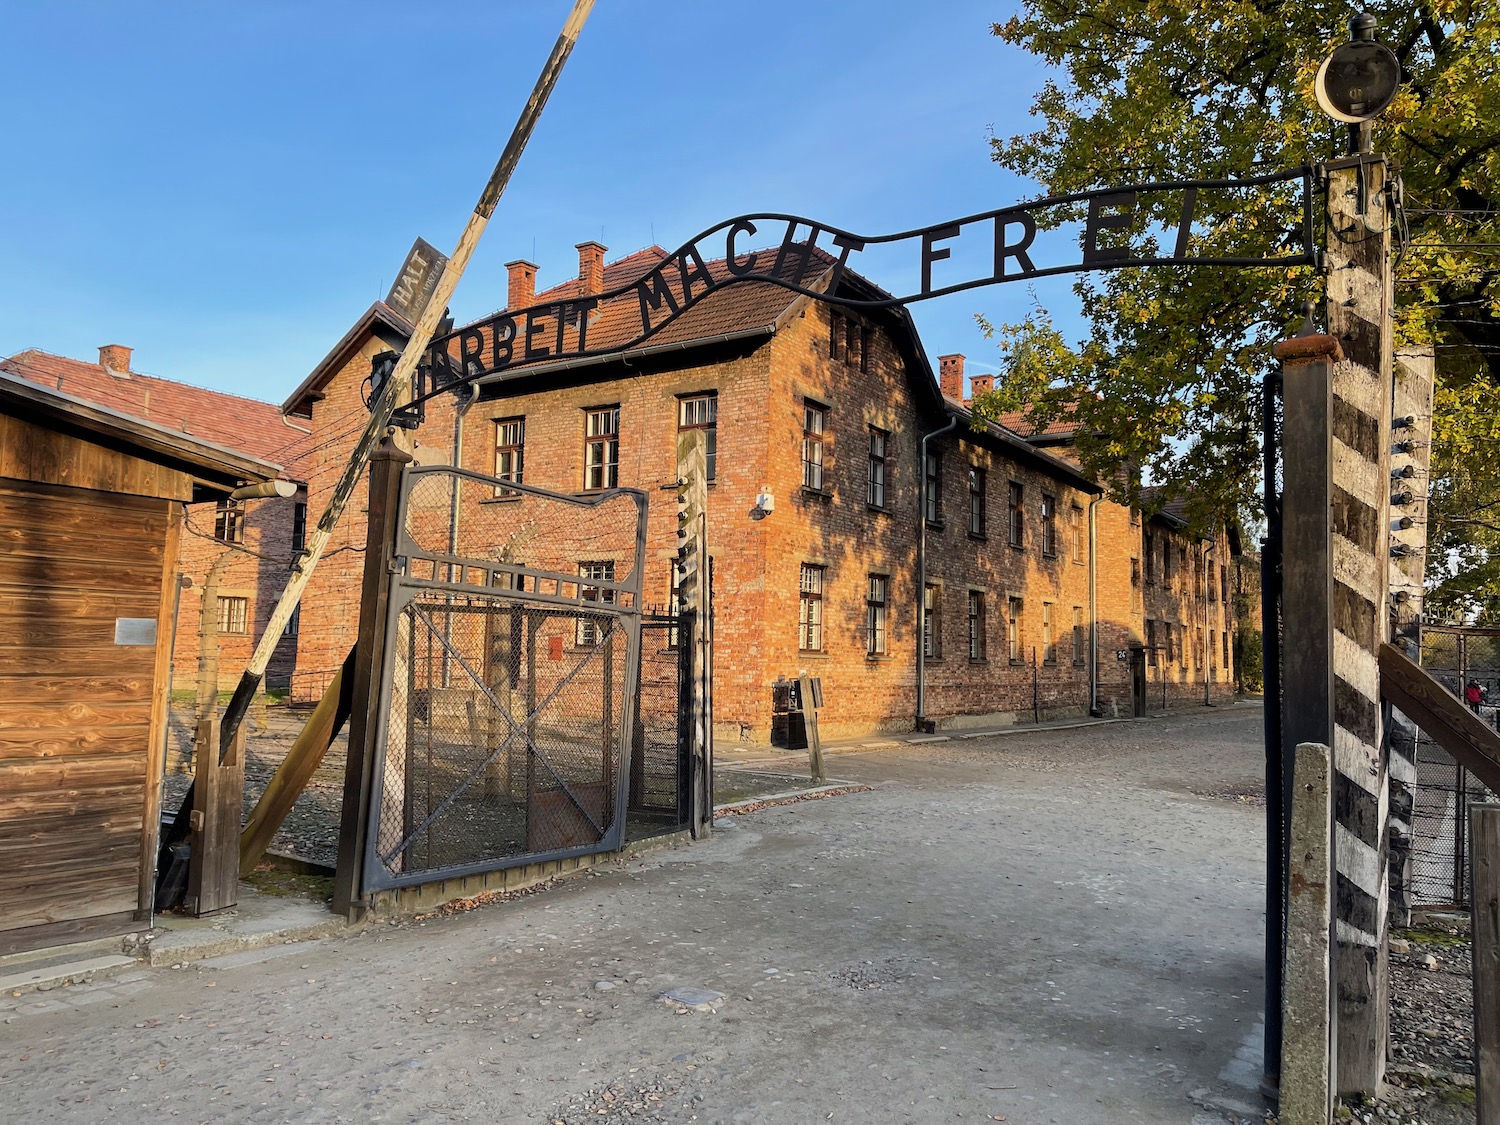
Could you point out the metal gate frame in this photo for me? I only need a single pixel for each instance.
(405, 586)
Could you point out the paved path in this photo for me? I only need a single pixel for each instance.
(1052, 927)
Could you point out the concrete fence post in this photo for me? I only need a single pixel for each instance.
(1308, 1064)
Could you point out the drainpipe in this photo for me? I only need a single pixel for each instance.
(1208, 655)
(922, 567)
(458, 451)
(1095, 711)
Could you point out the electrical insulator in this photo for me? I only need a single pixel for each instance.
(1401, 524)
(1401, 499)
(1406, 421)
(1405, 472)
(1401, 550)
(1400, 597)
(1401, 447)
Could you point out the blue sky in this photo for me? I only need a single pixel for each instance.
(226, 188)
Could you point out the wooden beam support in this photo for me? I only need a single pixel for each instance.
(1443, 716)
(1484, 836)
(298, 767)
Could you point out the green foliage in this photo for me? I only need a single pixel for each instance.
(1169, 374)
(1248, 660)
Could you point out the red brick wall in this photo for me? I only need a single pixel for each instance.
(258, 573)
(757, 563)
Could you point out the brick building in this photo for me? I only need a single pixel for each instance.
(244, 545)
(929, 572)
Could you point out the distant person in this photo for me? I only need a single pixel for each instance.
(1473, 694)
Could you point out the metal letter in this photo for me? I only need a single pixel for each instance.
(737, 267)
(535, 326)
(1097, 221)
(1017, 250)
(502, 333)
(930, 255)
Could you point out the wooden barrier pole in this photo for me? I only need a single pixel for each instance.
(810, 724)
(1308, 1011)
(364, 716)
(297, 768)
(1484, 905)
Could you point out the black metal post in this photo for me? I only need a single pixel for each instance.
(1270, 633)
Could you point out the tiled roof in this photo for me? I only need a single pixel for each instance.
(1017, 421)
(1172, 509)
(243, 424)
(622, 271)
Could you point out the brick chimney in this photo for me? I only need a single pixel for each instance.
(522, 289)
(979, 384)
(115, 358)
(591, 266)
(951, 376)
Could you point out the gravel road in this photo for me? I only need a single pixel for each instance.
(1059, 927)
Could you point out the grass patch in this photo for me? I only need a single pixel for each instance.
(1431, 936)
(269, 880)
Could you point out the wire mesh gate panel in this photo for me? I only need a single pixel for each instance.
(1455, 656)
(508, 707)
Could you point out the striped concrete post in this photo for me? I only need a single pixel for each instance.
(1360, 218)
(1411, 436)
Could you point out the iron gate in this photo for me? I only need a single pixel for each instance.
(509, 687)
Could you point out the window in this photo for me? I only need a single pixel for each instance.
(1017, 516)
(1049, 525)
(1013, 621)
(849, 341)
(932, 622)
(1171, 639)
(1151, 641)
(854, 344)
(1135, 584)
(1224, 637)
(588, 628)
(1208, 574)
(601, 448)
(1049, 654)
(814, 427)
(875, 491)
(933, 488)
(701, 412)
(1224, 585)
(510, 452)
(293, 623)
(229, 522)
(1184, 570)
(876, 608)
(976, 502)
(837, 342)
(1148, 552)
(1166, 561)
(976, 625)
(810, 610)
(1075, 524)
(299, 527)
(234, 615)
(1078, 634)
(1213, 644)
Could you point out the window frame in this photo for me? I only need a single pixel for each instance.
(1080, 637)
(810, 607)
(877, 616)
(977, 514)
(586, 636)
(299, 527)
(1076, 528)
(876, 468)
(710, 427)
(607, 442)
(814, 445)
(932, 622)
(1049, 526)
(1015, 619)
(229, 521)
(1049, 640)
(978, 650)
(932, 488)
(1016, 514)
(229, 616)
(516, 451)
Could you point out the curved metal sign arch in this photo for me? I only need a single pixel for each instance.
(808, 254)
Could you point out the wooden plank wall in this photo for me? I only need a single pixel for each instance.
(34, 453)
(76, 709)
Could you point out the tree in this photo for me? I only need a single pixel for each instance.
(1168, 378)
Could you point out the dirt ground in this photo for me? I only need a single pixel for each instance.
(1058, 926)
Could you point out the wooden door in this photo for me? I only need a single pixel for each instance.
(81, 592)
